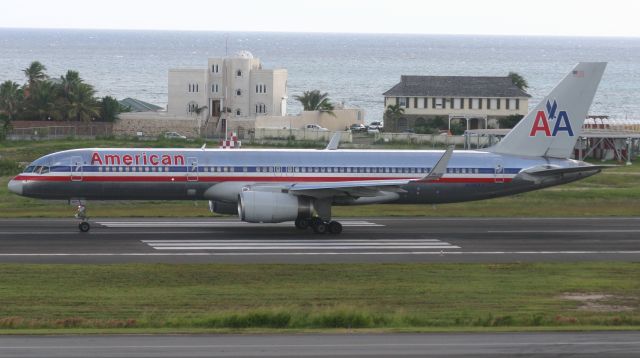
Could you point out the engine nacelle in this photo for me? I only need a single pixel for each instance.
(272, 206)
(222, 207)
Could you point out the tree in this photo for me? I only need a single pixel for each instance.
(393, 114)
(35, 73)
(518, 80)
(10, 99)
(509, 121)
(109, 109)
(42, 100)
(82, 105)
(316, 101)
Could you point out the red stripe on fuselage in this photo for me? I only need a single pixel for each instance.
(286, 179)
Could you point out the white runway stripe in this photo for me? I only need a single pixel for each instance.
(301, 245)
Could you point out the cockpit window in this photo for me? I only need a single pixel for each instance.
(44, 169)
(29, 169)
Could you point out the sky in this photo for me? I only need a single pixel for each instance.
(480, 17)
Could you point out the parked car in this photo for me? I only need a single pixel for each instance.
(375, 126)
(357, 128)
(314, 127)
(174, 135)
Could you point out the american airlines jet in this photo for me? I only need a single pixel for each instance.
(271, 186)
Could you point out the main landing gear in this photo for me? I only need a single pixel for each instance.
(319, 226)
(84, 225)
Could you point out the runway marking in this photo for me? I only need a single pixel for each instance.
(444, 253)
(201, 224)
(327, 244)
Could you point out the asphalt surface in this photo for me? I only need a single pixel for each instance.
(363, 240)
(597, 344)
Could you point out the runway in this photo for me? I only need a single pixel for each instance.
(363, 240)
(595, 344)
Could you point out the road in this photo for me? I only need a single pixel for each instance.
(363, 240)
(596, 344)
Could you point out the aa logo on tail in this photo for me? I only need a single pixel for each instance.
(544, 120)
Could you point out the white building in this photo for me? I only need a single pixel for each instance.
(235, 89)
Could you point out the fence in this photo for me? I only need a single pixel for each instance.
(56, 132)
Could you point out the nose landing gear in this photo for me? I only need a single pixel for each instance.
(81, 215)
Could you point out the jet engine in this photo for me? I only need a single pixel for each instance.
(272, 207)
(223, 207)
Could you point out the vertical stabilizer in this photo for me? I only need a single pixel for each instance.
(553, 126)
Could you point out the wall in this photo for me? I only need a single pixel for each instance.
(430, 111)
(154, 124)
(299, 134)
(343, 119)
(179, 95)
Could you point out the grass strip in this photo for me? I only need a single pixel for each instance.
(414, 297)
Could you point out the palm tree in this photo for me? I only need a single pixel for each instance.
(315, 101)
(82, 105)
(35, 73)
(392, 114)
(10, 99)
(42, 99)
(518, 80)
(68, 82)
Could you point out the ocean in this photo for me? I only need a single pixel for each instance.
(353, 68)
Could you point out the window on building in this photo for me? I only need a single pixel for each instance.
(497, 103)
(214, 68)
(438, 103)
(512, 103)
(214, 88)
(517, 103)
(238, 112)
(261, 88)
(191, 107)
(261, 108)
(402, 101)
(457, 103)
(238, 92)
(475, 103)
(507, 104)
(239, 73)
(425, 102)
(488, 103)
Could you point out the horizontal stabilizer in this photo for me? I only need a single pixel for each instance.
(547, 171)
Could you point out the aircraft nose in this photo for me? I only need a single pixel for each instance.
(15, 186)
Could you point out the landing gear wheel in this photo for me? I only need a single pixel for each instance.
(335, 227)
(302, 224)
(84, 226)
(319, 227)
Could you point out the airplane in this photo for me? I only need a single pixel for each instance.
(301, 185)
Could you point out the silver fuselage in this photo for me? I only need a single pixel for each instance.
(216, 174)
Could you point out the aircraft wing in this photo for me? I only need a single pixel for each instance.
(369, 188)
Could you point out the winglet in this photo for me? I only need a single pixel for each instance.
(204, 146)
(334, 142)
(440, 168)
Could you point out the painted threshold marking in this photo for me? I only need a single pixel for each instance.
(328, 244)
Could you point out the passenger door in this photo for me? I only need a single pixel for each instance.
(76, 168)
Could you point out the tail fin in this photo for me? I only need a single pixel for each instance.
(552, 128)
